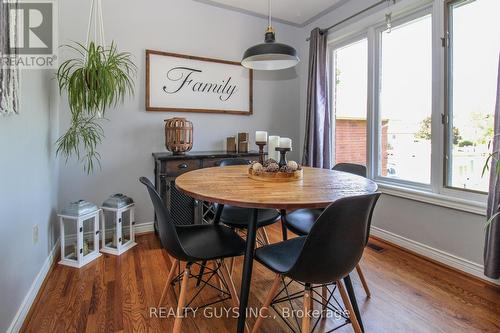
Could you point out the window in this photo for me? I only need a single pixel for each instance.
(472, 59)
(350, 86)
(405, 101)
(416, 103)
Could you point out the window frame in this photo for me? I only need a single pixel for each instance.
(447, 119)
(379, 29)
(437, 193)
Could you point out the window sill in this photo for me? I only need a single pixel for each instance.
(469, 206)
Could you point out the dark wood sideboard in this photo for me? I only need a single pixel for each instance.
(183, 209)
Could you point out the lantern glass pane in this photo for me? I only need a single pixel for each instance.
(70, 239)
(110, 229)
(88, 236)
(126, 225)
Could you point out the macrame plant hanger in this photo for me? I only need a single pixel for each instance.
(96, 28)
(96, 25)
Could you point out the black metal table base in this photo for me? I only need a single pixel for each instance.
(247, 270)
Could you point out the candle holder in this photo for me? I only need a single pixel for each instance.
(283, 152)
(261, 145)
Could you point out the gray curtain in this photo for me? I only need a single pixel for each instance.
(492, 243)
(9, 75)
(318, 134)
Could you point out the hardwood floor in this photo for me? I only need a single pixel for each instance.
(115, 294)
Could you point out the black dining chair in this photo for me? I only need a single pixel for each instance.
(193, 244)
(301, 221)
(237, 217)
(330, 251)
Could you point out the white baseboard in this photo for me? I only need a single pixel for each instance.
(28, 300)
(443, 257)
(144, 228)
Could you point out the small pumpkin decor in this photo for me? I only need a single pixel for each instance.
(99, 77)
(271, 171)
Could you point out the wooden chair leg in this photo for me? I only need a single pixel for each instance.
(324, 299)
(182, 300)
(265, 236)
(348, 305)
(170, 277)
(231, 266)
(306, 320)
(267, 302)
(230, 283)
(363, 281)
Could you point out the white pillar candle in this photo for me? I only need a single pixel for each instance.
(274, 141)
(260, 136)
(285, 143)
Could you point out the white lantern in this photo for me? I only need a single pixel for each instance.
(79, 225)
(118, 224)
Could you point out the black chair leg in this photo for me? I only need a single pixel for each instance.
(352, 297)
(202, 271)
(283, 225)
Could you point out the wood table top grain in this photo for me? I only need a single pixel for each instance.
(231, 185)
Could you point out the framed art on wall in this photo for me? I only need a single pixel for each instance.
(182, 83)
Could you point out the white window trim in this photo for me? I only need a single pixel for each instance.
(436, 193)
(436, 199)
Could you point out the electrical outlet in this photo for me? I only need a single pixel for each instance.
(35, 234)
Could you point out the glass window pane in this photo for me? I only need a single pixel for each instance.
(70, 239)
(474, 47)
(88, 236)
(350, 101)
(406, 101)
(110, 229)
(126, 225)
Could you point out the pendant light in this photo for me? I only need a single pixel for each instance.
(270, 55)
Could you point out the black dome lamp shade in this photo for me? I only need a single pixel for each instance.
(270, 55)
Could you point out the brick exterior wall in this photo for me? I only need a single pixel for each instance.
(350, 142)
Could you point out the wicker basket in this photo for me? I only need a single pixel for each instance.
(178, 135)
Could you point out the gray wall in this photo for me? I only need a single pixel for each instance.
(458, 233)
(132, 134)
(27, 191)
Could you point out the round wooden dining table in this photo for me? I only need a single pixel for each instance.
(231, 185)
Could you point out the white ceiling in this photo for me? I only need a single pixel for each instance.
(294, 12)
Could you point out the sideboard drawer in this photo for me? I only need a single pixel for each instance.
(211, 162)
(178, 167)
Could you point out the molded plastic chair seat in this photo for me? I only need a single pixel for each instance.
(280, 257)
(209, 242)
(329, 252)
(237, 217)
(191, 244)
(301, 221)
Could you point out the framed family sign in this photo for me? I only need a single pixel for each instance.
(182, 83)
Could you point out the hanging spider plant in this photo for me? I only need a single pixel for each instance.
(99, 78)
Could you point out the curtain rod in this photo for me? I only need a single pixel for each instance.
(354, 15)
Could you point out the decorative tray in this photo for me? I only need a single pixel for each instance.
(276, 176)
(271, 171)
